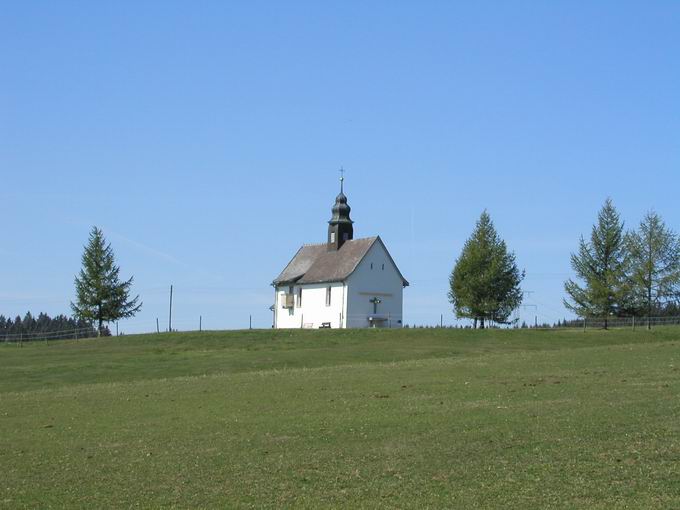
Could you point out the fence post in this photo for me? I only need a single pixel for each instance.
(170, 313)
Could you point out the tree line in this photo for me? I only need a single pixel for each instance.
(32, 328)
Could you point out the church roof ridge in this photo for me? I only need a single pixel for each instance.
(348, 241)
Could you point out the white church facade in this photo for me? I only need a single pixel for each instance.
(342, 283)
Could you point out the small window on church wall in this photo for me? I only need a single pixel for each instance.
(328, 296)
(300, 297)
(383, 268)
(332, 237)
(345, 236)
(371, 265)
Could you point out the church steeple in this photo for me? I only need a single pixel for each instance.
(340, 226)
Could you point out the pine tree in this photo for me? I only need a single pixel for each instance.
(602, 265)
(18, 326)
(655, 264)
(100, 295)
(484, 283)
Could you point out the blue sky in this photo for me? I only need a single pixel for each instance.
(205, 139)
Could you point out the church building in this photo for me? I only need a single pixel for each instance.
(342, 283)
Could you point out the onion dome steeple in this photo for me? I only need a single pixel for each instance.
(340, 226)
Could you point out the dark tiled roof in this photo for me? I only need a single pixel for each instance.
(337, 265)
(300, 264)
(313, 263)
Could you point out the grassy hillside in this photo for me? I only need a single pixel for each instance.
(410, 418)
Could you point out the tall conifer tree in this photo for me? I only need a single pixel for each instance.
(484, 284)
(602, 266)
(655, 264)
(100, 295)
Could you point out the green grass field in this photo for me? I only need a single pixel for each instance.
(352, 419)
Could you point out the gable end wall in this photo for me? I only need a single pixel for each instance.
(366, 283)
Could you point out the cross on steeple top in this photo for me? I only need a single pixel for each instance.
(342, 178)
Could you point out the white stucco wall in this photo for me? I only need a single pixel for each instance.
(313, 312)
(376, 276)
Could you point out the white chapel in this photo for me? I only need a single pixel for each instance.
(342, 283)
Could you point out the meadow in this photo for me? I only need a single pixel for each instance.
(427, 418)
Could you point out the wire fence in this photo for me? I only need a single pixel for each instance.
(33, 336)
(587, 323)
(619, 322)
(187, 326)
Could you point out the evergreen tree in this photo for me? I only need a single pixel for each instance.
(16, 327)
(100, 295)
(28, 323)
(655, 264)
(602, 265)
(484, 283)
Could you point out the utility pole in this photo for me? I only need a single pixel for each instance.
(200, 323)
(535, 310)
(158, 329)
(170, 314)
(250, 322)
(441, 320)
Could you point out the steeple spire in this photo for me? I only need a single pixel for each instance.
(340, 226)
